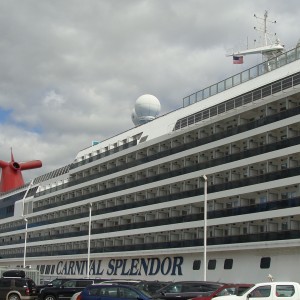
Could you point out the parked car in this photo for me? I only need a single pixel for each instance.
(150, 287)
(66, 290)
(17, 288)
(183, 290)
(113, 292)
(57, 282)
(227, 289)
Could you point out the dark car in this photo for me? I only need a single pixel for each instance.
(113, 292)
(53, 283)
(183, 290)
(66, 290)
(227, 289)
(150, 287)
(17, 288)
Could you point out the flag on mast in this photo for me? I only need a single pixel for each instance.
(238, 59)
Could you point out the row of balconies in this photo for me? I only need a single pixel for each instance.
(220, 126)
(267, 230)
(175, 215)
(237, 147)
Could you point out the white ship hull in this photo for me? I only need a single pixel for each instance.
(180, 266)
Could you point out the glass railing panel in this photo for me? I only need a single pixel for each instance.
(192, 99)
(237, 79)
(228, 83)
(291, 56)
(206, 93)
(262, 68)
(282, 60)
(199, 96)
(186, 101)
(221, 86)
(253, 72)
(213, 89)
(245, 75)
(273, 64)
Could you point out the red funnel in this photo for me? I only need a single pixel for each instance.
(11, 177)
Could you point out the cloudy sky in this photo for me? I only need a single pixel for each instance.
(71, 70)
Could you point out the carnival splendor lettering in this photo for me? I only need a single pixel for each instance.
(133, 267)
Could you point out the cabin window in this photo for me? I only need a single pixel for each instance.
(265, 262)
(212, 264)
(228, 264)
(196, 264)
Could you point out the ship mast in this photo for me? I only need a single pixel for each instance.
(268, 50)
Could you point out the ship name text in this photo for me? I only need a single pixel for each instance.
(113, 267)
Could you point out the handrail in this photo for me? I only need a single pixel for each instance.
(244, 76)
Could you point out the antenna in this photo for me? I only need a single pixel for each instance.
(269, 49)
(264, 30)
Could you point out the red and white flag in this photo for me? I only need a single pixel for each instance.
(238, 59)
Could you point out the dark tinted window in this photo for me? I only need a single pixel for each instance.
(212, 264)
(228, 264)
(71, 283)
(210, 286)
(127, 293)
(20, 283)
(5, 283)
(56, 282)
(173, 288)
(84, 283)
(192, 287)
(265, 262)
(196, 265)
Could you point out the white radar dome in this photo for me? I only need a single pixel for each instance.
(147, 108)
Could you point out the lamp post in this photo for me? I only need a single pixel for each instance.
(25, 242)
(205, 227)
(26, 223)
(89, 241)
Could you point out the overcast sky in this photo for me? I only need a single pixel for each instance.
(71, 70)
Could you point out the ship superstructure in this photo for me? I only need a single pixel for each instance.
(134, 204)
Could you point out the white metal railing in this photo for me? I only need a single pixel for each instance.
(244, 76)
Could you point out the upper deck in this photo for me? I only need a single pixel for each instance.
(244, 76)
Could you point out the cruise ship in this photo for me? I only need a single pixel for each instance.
(210, 191)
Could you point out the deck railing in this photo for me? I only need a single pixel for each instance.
(244, 76)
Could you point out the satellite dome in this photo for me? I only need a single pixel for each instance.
(134, 118)
(147, 108)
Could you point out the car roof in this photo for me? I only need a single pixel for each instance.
(113, 285)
